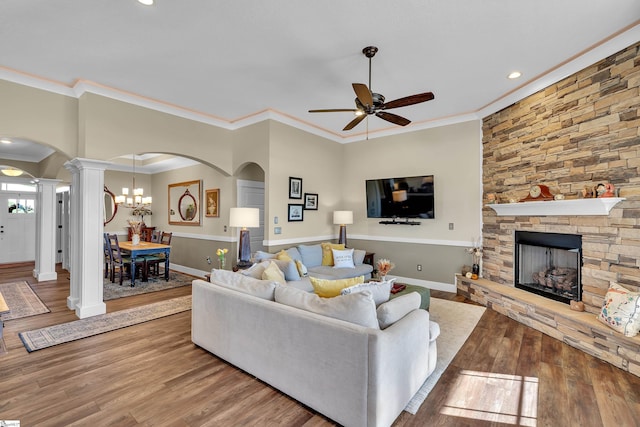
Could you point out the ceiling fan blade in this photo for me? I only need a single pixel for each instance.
(334, 110)
(363, 93)
(354, 122)
(409, 100)
(393, 118)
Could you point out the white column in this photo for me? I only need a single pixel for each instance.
(86, 228)
(45, 268)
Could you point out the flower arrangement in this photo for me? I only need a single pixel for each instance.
(384, 266)
(136, 226)
(221, 253)
(475, 251)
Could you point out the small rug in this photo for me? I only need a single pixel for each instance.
(155, 283)
(38, 339)
(457, 320)
(22, 301)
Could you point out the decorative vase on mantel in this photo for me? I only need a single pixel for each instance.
(135, 239)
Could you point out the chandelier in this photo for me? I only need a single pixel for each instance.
(138, 200)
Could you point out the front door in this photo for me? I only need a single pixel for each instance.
(17, 227)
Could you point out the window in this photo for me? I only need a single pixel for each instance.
(20, 206)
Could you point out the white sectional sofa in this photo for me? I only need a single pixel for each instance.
(357, 364)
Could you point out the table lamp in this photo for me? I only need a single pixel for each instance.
(343, 218)
(244, 218)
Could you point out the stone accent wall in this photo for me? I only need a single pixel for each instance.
(579, 132)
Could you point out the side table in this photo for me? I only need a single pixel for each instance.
(369, 259)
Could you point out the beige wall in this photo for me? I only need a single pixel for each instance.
(104, 129)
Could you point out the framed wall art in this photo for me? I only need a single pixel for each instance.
(295, 188)
(295, 212)
(212, 198)
(310, 201)
(184, 203)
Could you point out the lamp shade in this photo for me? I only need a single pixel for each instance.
(244, 217)
(342, 217)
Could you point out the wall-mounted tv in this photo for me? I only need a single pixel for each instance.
(408, 197)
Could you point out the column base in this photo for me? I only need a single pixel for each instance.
(91, 310)
(43, 277)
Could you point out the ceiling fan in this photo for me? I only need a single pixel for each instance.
(368, 102)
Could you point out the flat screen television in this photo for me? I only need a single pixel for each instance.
(408, 197)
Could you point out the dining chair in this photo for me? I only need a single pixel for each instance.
(120, 262)
(107, 257)
(154, 261)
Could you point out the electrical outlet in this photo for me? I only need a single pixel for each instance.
(225, 228)
(450, 226)
(208, 260)
(419, 267)
(277, 230)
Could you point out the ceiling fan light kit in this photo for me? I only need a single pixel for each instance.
(371, 103)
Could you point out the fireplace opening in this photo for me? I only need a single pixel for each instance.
(549, 264)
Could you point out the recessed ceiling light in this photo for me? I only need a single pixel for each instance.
(146, 2)
(514, 75)
(6, 141)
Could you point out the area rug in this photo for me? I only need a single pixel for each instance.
(22, 301)
(38, 339)
(155, 283)
(457, 320)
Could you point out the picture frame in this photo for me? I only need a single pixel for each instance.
(185, 206)
(212, 200)
(311, 201)
(295, 212)
(295, 188)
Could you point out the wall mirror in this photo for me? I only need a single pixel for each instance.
(184, 203)
(110, 206)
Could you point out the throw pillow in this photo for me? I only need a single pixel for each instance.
(343, 258)
(392, 311)
(358, 256)
(358, 308)
(261, 256)
(294, 253)
(621, 310)
(311, 255)
(259, 288)
(381, 291)
(255, 270)
(272, 272)
(302, 270)
(283, 255)
(288, 268)
(327, 254)
(331, 288)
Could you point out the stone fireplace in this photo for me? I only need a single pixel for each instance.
(549, 264)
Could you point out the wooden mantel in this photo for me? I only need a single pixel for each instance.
(599, 206)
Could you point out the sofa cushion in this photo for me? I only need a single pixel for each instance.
(311, 255)
(357, 308)
(343, 258)
(284, 256)
(392, 311)
(294, 253)
(272, 272)
(327, 254)
(255, 270)
(621, 310)
(358, 256)
(259, 288)
(331, 288)
(381, 291)
(288, 268)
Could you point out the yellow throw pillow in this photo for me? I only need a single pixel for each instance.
(327, 253)
(273, 273)
(331, 288)
(283, 256)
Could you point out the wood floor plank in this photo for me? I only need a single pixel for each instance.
(152, 374)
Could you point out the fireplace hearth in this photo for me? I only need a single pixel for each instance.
(549, 264)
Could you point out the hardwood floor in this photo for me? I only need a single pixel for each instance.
(151, 374)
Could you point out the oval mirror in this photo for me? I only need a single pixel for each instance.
(187, 206)
(110, 206)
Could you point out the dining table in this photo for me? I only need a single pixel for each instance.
(145, 248)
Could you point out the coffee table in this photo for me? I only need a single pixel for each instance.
(425, 294)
